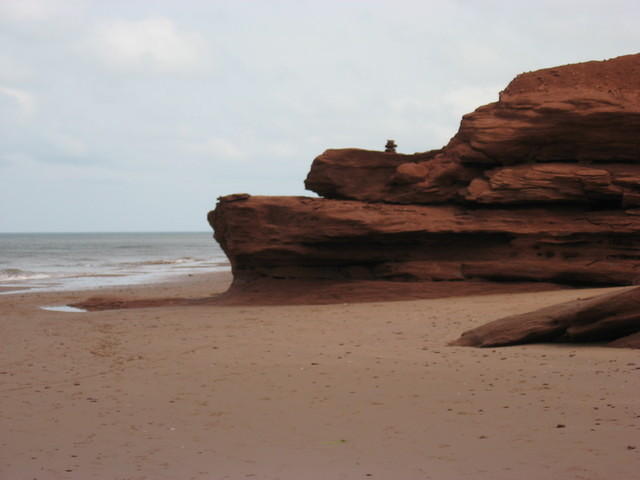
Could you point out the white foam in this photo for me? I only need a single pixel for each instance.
(15, 274)
(64, 308)
(57, 262)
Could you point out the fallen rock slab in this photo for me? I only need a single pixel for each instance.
(613, 317)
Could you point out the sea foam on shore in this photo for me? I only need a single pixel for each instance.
(76, 261)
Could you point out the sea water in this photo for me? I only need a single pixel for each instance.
(73, 261)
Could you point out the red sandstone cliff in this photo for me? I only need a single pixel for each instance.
(560, 135)
(298, 237)
(543, 185)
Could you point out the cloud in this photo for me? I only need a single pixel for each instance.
(36, 10)
(25, 101)
(13, 70)
(150, 43)
(14, 159)
(18, 10)
(466, 99)
(217, 148)
(69, 146)
(282, 149)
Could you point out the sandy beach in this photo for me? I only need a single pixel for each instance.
(340, 391)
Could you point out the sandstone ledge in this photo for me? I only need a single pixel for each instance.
(312, 238)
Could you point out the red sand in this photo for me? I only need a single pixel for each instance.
(341, 391)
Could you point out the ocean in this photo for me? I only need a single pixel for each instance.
(77, 261)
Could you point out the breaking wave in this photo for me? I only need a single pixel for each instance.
(176, 261)
(15, 274)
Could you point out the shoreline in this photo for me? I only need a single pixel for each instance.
(96, 282)
(189, 286)
(347, 390)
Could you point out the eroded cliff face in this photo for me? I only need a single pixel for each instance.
(543, 185)
(560, 135)
(298, 237)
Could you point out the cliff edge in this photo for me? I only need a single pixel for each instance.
(541, 186)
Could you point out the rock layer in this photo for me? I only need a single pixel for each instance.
(543, 185)
(298, 237)
(587, 112)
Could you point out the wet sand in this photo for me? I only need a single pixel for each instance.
(337, 391)
(9, 289)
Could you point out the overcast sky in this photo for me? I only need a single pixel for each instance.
(135, 115)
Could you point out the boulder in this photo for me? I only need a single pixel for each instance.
(613, 317)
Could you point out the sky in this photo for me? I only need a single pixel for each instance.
(135, 115)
